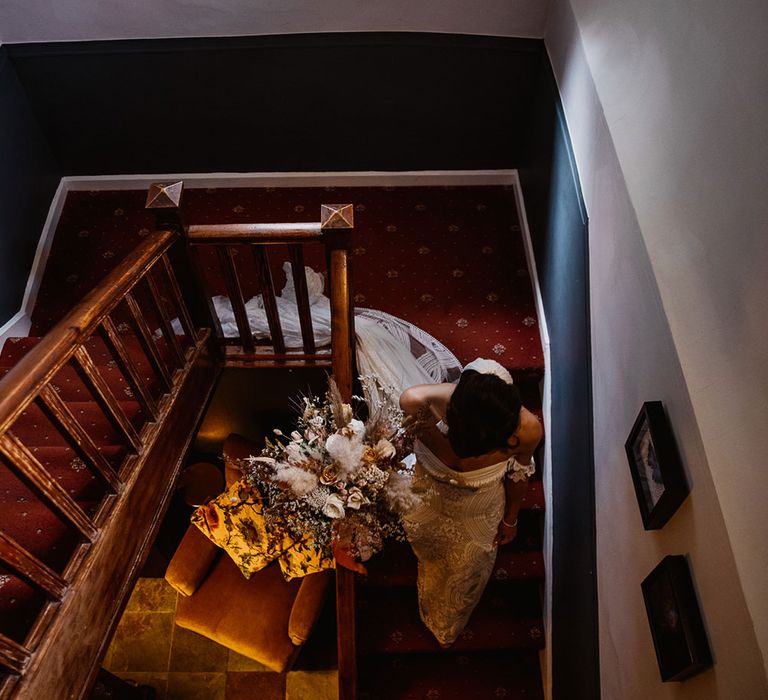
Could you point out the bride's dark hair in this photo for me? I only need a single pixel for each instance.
(482, 414)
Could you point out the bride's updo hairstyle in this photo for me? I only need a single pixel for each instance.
(482, 414)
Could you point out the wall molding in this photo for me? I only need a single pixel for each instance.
(368, 178)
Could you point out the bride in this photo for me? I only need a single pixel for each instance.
(472, 463)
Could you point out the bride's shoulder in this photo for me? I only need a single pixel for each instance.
(414, 398)
(532, 431)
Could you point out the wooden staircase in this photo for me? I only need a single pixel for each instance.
(96, 419)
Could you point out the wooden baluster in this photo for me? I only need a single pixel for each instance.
(147, 341)
(71, 427)
(128, 367)
(51, 490)
(202, 283)
(336, 221)
(184, 318)
(31, 568)
(302, 297)
(106, 399)
(267, 286)
(166, 327)
(227, 262)
(13, 656)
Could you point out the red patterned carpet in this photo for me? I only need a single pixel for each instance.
(450, 260)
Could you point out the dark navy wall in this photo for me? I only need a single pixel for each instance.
(28, 179)
(392, 101)
(559, 231)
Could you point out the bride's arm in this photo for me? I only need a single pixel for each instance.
(514, 492)
(433, 396)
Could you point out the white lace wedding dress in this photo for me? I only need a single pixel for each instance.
(452, 531)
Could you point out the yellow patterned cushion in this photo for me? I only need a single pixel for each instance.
(235, 522)
(300, 558)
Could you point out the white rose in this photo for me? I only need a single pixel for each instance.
(355, 498)
(334, 507)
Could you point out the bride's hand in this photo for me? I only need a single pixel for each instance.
(505, 533)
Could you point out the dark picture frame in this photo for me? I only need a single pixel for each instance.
(654, 461)
(679, 637)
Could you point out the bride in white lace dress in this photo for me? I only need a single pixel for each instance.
(473, 466)
(472, 476)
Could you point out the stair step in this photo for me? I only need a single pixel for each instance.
(20, 605)
(507, 617)
(446, 676)
(70, 387)
(16, 348)
(34, 428)
(40, 531)
(396, 566)
(73, 473)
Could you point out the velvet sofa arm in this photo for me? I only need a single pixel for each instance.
(191, 562)
(308, 605)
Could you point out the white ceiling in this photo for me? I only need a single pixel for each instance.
(76, 20)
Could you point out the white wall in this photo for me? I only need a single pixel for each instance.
(63, 20)
(672, 168)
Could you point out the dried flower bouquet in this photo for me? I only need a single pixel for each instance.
(336, 479)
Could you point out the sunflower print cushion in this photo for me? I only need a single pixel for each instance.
(235, 522)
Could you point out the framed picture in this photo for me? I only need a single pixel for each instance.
(657, 472)
(678, 631)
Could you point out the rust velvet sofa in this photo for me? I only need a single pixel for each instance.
(265, 618)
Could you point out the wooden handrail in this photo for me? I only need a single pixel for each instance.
(31, 373)
(255, 233)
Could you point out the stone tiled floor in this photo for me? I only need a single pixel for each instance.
(181, 665)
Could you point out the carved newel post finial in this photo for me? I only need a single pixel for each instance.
(337, 216)
(164, 201)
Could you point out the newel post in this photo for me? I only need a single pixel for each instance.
(336, 223)
(164, 201)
